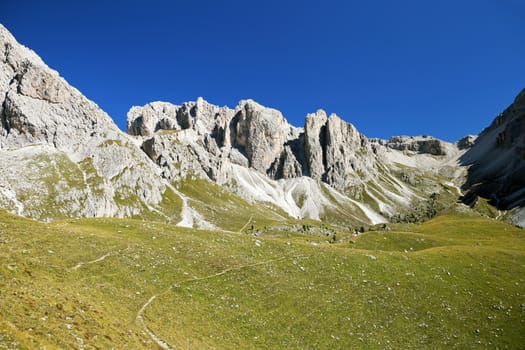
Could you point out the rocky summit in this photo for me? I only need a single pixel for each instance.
(62, 156)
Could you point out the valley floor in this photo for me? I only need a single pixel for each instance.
(452, 282)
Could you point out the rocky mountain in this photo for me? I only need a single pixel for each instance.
(496, 162)
(327, 168)
(63, 156)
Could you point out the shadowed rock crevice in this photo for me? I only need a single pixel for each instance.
(3, 118)
(298, 151)
(322, 144)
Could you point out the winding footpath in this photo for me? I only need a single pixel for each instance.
(140, 318)
(246, 225)
(140, 315)
(80, 264)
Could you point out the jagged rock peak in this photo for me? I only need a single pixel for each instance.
(200, 115)
(250, 134)
(327, 149)
(349, 155)
(335, 151)
(144, 121)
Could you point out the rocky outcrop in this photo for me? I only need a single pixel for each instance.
(199, 138)
(192, 139)
(286, 166)
(144, 121)
(496, 161)
(418, 144)
(200, 116)
(203, 139)
(466, 142)
(348, 154)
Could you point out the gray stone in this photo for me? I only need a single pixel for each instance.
(315, 143)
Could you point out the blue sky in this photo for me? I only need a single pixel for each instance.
(443, 68)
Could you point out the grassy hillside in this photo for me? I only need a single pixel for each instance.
(453, 282)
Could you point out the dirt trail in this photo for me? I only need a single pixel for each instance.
(80, 264)
(161, 343)
(140, 315)
(246, 224)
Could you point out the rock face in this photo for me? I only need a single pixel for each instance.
(335, 151)
(259, 133)
(192, 139)
(58, 142)
(348, 154)
(204, 139)
(152, 117)
(496, 161)
(286, 166)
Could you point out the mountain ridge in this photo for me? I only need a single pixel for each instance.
(81, 164)
(326, 150)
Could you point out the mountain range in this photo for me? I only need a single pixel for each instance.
(200, 165)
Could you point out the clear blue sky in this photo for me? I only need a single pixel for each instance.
(444, 68)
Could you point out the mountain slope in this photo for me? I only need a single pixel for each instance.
(497, 162)
(65, 157)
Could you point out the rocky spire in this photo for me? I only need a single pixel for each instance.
(315, 143)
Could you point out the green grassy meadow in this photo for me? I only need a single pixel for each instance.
(452, 282)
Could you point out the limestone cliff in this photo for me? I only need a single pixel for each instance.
(215, 143)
